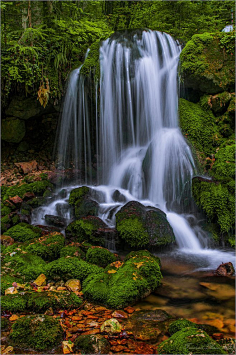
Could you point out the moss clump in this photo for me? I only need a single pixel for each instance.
(224, 166)
(92, 344)
(207, 62)
(39, 302)
(47, 247)
(100, 256)
(5, 324)
(6, 282)
(71, 268)
(72, 250)
(24, 265)
(190, 340)
(122, 284)
(91, 63)
(23, 232)
(81, 200)
(180, 324)
(37, 332)
(199, 127)
(84, 230)
(133, 232)
(37, 187)
(5, 223)
(5, 210)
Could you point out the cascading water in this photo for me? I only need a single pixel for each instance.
(140, 149)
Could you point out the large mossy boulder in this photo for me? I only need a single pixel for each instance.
(87, 229)
(39, 188)
(24, 108)
(48, 247)
(84, 205)
(100, 256)
(139, 226)
(39, 332)
(92, 344)
(190, 340)
(23, 232)
(207, 62)
(124, 283)
(12, 130)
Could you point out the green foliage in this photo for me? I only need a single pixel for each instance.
(47, 247)
(23, 232)
(190, 340)
(37, 187)
(122, 284)
(14, 303)
(224, 166)
(37, 332)
(70, 268)
(100, 256)
(72, 250)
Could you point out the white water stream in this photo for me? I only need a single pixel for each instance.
(140, 150)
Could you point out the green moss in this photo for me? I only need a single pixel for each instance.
(6, 282)
(190, 340)
(13, 303)
(92, 344)
(91, 63)
(100, 256)
(37, 332)
(179, 325)
(216, 202)
(133, 232)
(207, 64)
(77, 194)
(71, 250)
(5, 223)
(122, 284)
(224, 166)
(24, 265)
(85, 228)
(47, 247)
(5, 323)
(12, 130)
(23, 232)
(199, 128)
(71, 268)
(38, 187)
(5, 210)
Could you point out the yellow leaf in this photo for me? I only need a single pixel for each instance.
(111, 271)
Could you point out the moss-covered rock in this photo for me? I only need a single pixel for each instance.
(179, 325)
(92, 344)
(122, 284)
(207, 62)
(142, 227)
(80, 198)
(47, 247)
(6, 282)
(5, 323)
(37, 187)
(12, 130)
(85, 230)
(100, 256)
(39, 302)
(72, 250)
(24, 265)
(37, 332)
(190, 340)
(198, 125)
(23, 232)
(92, 63)
(71, 268)
(24, 108)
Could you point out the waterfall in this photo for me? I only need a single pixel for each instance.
(140, 150)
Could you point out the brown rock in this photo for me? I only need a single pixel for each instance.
(16, 200)
(76, 318)
(119, 314)
(225, 269)
(73, 285)
(27, 167)
(93, 331)
(129, 309)
(7, 240)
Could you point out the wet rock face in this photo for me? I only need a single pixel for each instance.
(226, 269)
(83, 203)
(55, 221)
(140, 226)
